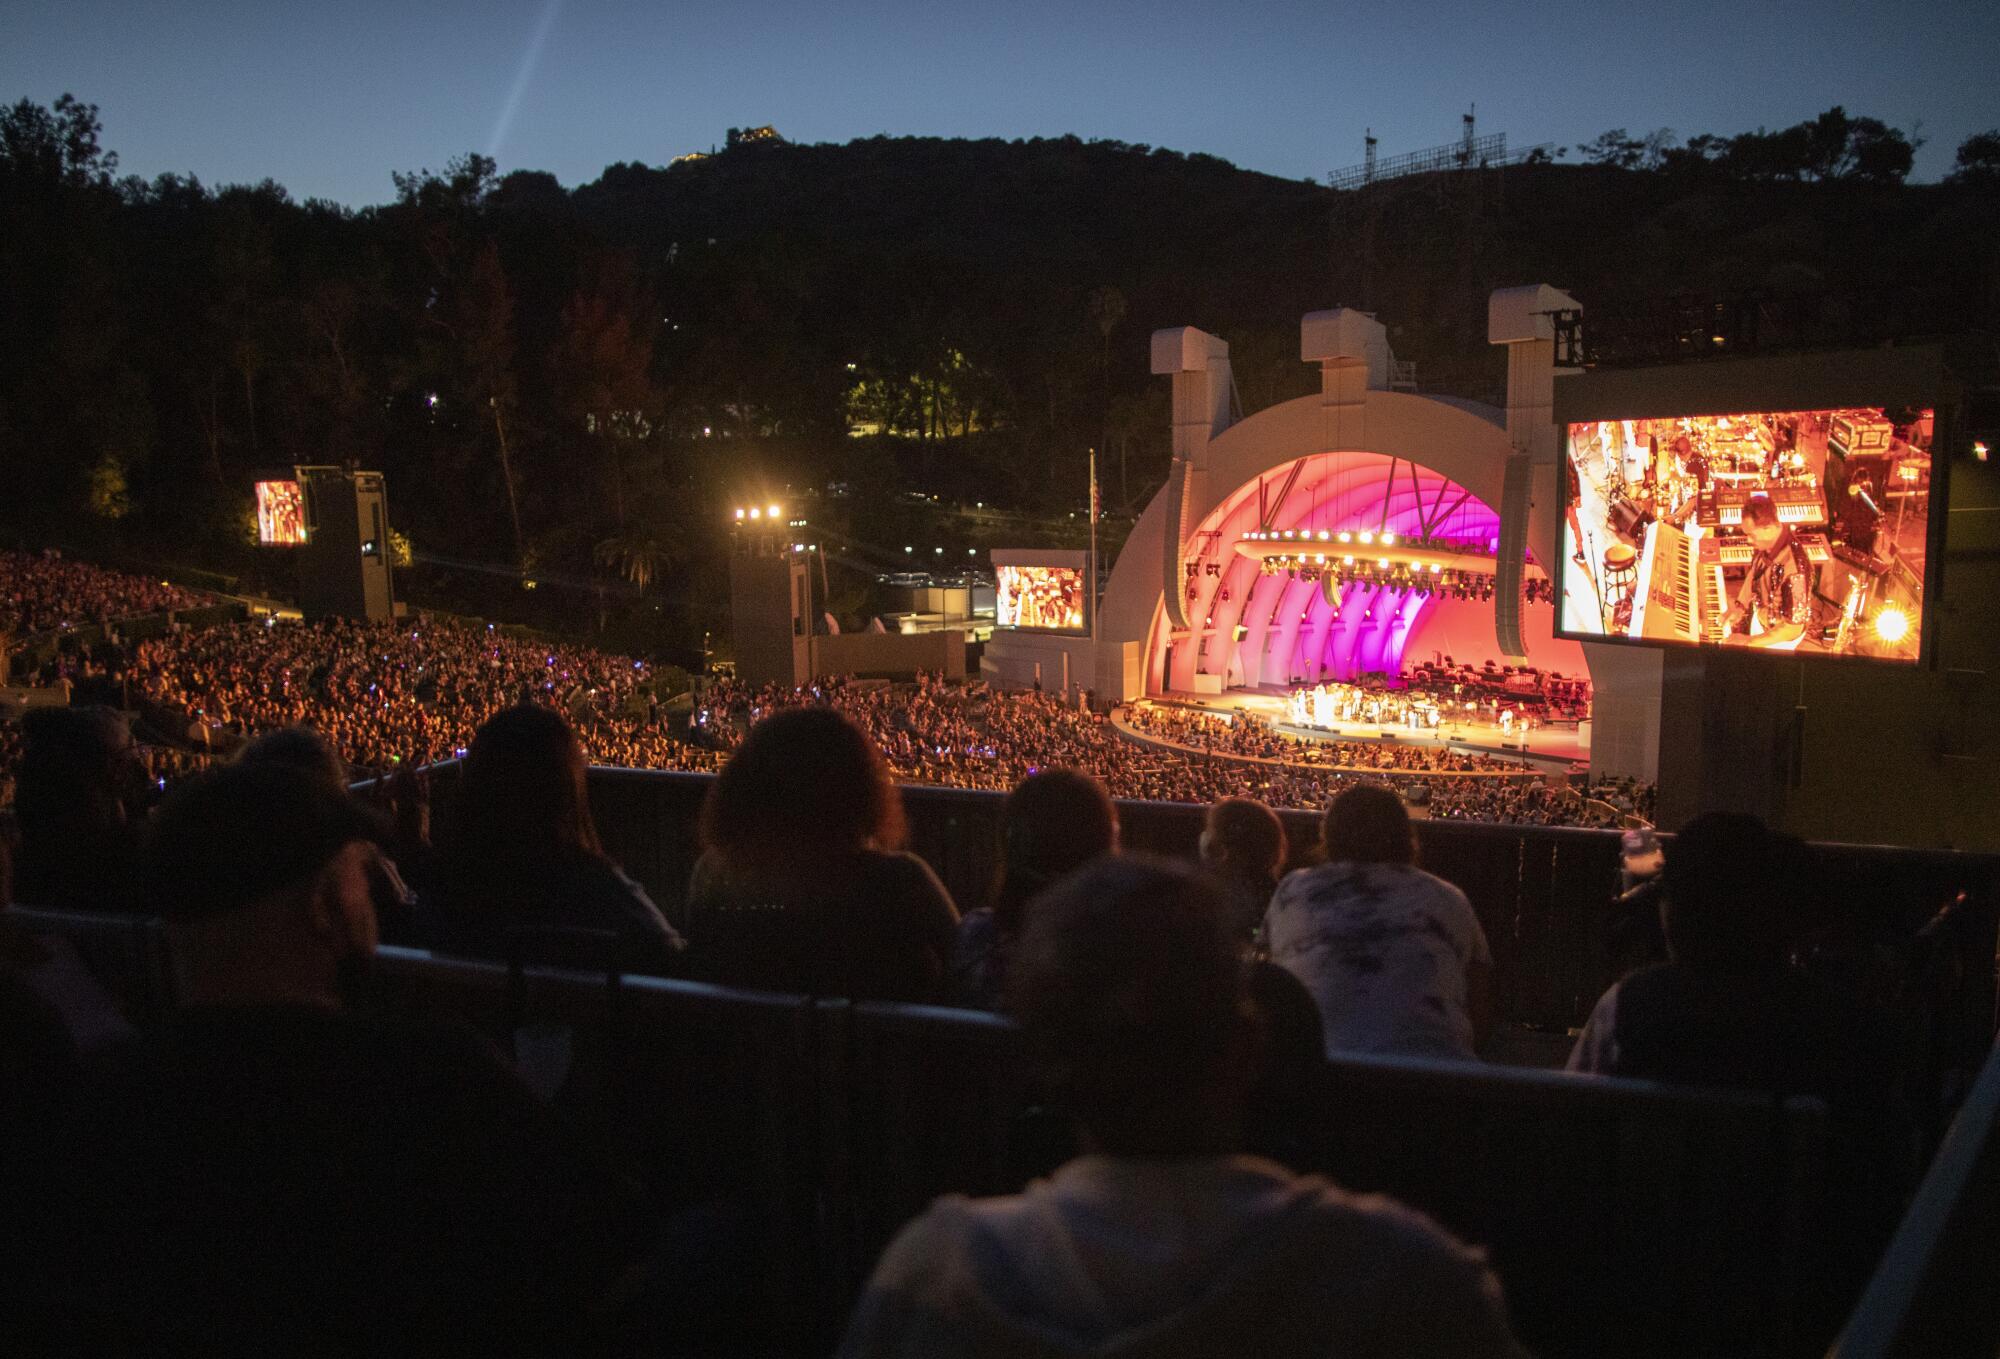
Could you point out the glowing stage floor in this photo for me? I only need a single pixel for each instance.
(1545, 745)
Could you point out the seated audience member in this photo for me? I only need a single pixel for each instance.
(78, 795)
(48, 982)
(1394, 958)
(802, 884)
(521, 865)
(37, 1053)
(1243, 844)
(1728, 1008)
(306, 750)
(1053, 823)
(1161, 1239)
(272, 1172)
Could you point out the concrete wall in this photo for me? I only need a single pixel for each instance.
(1015, 660)
(890, 654)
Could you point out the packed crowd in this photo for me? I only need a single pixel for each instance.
(412, 1189)
(47, 592)
(414, 692)
(1249, 734)
(1530, 804)
(386, 693)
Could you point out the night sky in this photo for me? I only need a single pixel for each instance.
(329, 99)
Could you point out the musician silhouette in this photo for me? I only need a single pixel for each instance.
(1775, 603)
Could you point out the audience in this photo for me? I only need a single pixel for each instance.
(1243, 844)
(306, 750)
(44, 592)
(1162, 1239)
(802, 884)
(1394, 958)
(79, 788)
(273, 1171)
(1054, 823)
(521, 873)
(1728, 1008)
(384, 693)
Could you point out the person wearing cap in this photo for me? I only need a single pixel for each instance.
(275, 1169)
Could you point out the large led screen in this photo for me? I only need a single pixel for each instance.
(281, 513)
(1048, 598)
(1800, 531)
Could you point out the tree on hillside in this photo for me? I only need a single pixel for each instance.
(484, 327)
(1619, 149)
(1830, 148)
(603, 362)
(1978, 160)
(56, 146)
(638, 557)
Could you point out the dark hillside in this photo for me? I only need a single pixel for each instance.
(575, 384)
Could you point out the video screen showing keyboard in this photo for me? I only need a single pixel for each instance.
(1800, 531)
(1040, 598)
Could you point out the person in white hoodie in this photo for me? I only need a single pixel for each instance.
(1161, 1240)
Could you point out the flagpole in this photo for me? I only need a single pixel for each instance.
(1093, 556)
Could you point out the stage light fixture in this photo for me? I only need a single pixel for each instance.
(1346, 537)
(753, 512)
(774, 512)
(1980, 450)
(739, 511)
(1892, 625)
(1388, 540)
(1367, 537)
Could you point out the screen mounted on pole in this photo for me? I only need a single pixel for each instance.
(1805, 531)
(281, 514)
(1042, 592)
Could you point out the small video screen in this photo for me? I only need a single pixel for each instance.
(281, 514)
(1799, 531)
(1048, 598)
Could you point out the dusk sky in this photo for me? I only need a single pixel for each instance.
(329, 99)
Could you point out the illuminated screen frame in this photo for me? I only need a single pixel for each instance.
(1031, 559)
(1834, 532)
(268, 506)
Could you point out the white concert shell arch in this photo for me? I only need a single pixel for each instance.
(1444, 441)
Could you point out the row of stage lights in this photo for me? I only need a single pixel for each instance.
(1365, 536)
(1420, 579)
(760, 513)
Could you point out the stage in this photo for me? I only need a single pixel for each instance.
(1554, 748)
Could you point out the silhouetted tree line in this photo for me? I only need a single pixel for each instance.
(581, 380)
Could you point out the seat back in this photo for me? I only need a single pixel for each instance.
(1624, 1216)
(127, 954)
(1932, 1292)
(918, 1101)
(708, 1089)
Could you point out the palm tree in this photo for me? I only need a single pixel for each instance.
(638, 557)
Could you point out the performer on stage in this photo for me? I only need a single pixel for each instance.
(1775, 604)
